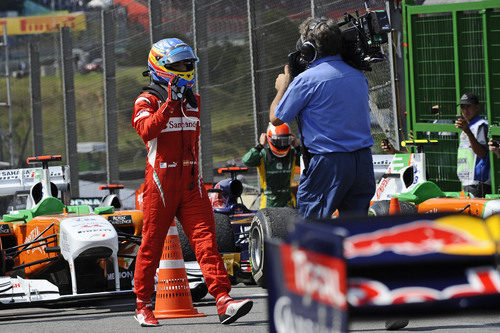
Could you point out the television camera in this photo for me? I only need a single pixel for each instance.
(362, 38)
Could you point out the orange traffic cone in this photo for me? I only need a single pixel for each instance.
(394, 207)
(173, 297)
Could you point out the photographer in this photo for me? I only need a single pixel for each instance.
(330, 101)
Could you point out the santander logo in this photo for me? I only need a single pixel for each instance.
(178, 123)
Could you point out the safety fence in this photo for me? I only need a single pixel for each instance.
(242, 46)
(452, 49)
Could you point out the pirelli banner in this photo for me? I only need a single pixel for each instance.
(26, 25)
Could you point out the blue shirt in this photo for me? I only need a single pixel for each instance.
(331, 101)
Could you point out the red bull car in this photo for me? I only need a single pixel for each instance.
(433, 259)
(389, 265)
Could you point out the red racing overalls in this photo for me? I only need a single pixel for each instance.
(173, 187)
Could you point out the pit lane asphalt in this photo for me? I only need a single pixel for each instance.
(116, 315)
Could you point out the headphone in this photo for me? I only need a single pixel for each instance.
(308, 49)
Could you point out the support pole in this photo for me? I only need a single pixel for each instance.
(36, 96)
(202, 86)
(154, 21)
(69, 109)
(110, 100)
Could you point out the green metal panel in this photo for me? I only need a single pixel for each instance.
(493, 19)
(407, 33)
(452, 49)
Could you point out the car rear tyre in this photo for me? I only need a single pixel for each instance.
(187, 251)
(224, 235)
(381, 208)
(267, 223)
(198, 292)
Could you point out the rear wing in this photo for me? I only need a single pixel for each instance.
(13, 181)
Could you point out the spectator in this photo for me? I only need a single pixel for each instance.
(330, 101)
(166, 116)
(473, 165)
(276, 164)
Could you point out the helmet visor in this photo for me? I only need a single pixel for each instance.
(178, 53)
(281, 141)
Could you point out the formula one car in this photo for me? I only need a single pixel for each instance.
(387, 265)
(232, 224)
(52, 251)
(240, 232)
(405, 179)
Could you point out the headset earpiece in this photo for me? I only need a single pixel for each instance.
(308, 51)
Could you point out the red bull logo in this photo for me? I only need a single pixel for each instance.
(480, 281)
(318, 276)
(412, 239)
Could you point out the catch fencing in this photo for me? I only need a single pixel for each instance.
(242, 46)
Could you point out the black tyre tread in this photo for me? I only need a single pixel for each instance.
(224, 235)
(187, 251)
(199, 292)
(273, 223)
(407, 208)
(381, 208)
(278, 220)
(257, 271)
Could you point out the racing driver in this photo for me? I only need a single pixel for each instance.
(166, 116)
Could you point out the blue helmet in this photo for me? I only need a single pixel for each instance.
(166, 52)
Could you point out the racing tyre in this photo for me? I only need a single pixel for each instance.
(267, 223)
(224, 236)
(224, 233)
(198, 292)
(187, 251)
(381, 208)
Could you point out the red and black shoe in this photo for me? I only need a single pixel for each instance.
(230, 310)
(144, 314)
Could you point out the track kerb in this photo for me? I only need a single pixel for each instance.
(173, 296)
(394, 207)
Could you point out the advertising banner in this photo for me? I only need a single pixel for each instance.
(306, 279)
(26, 25)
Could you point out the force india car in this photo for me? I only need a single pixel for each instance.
(51, 251)
(405, 179)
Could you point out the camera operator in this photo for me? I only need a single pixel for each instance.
(330, 101)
